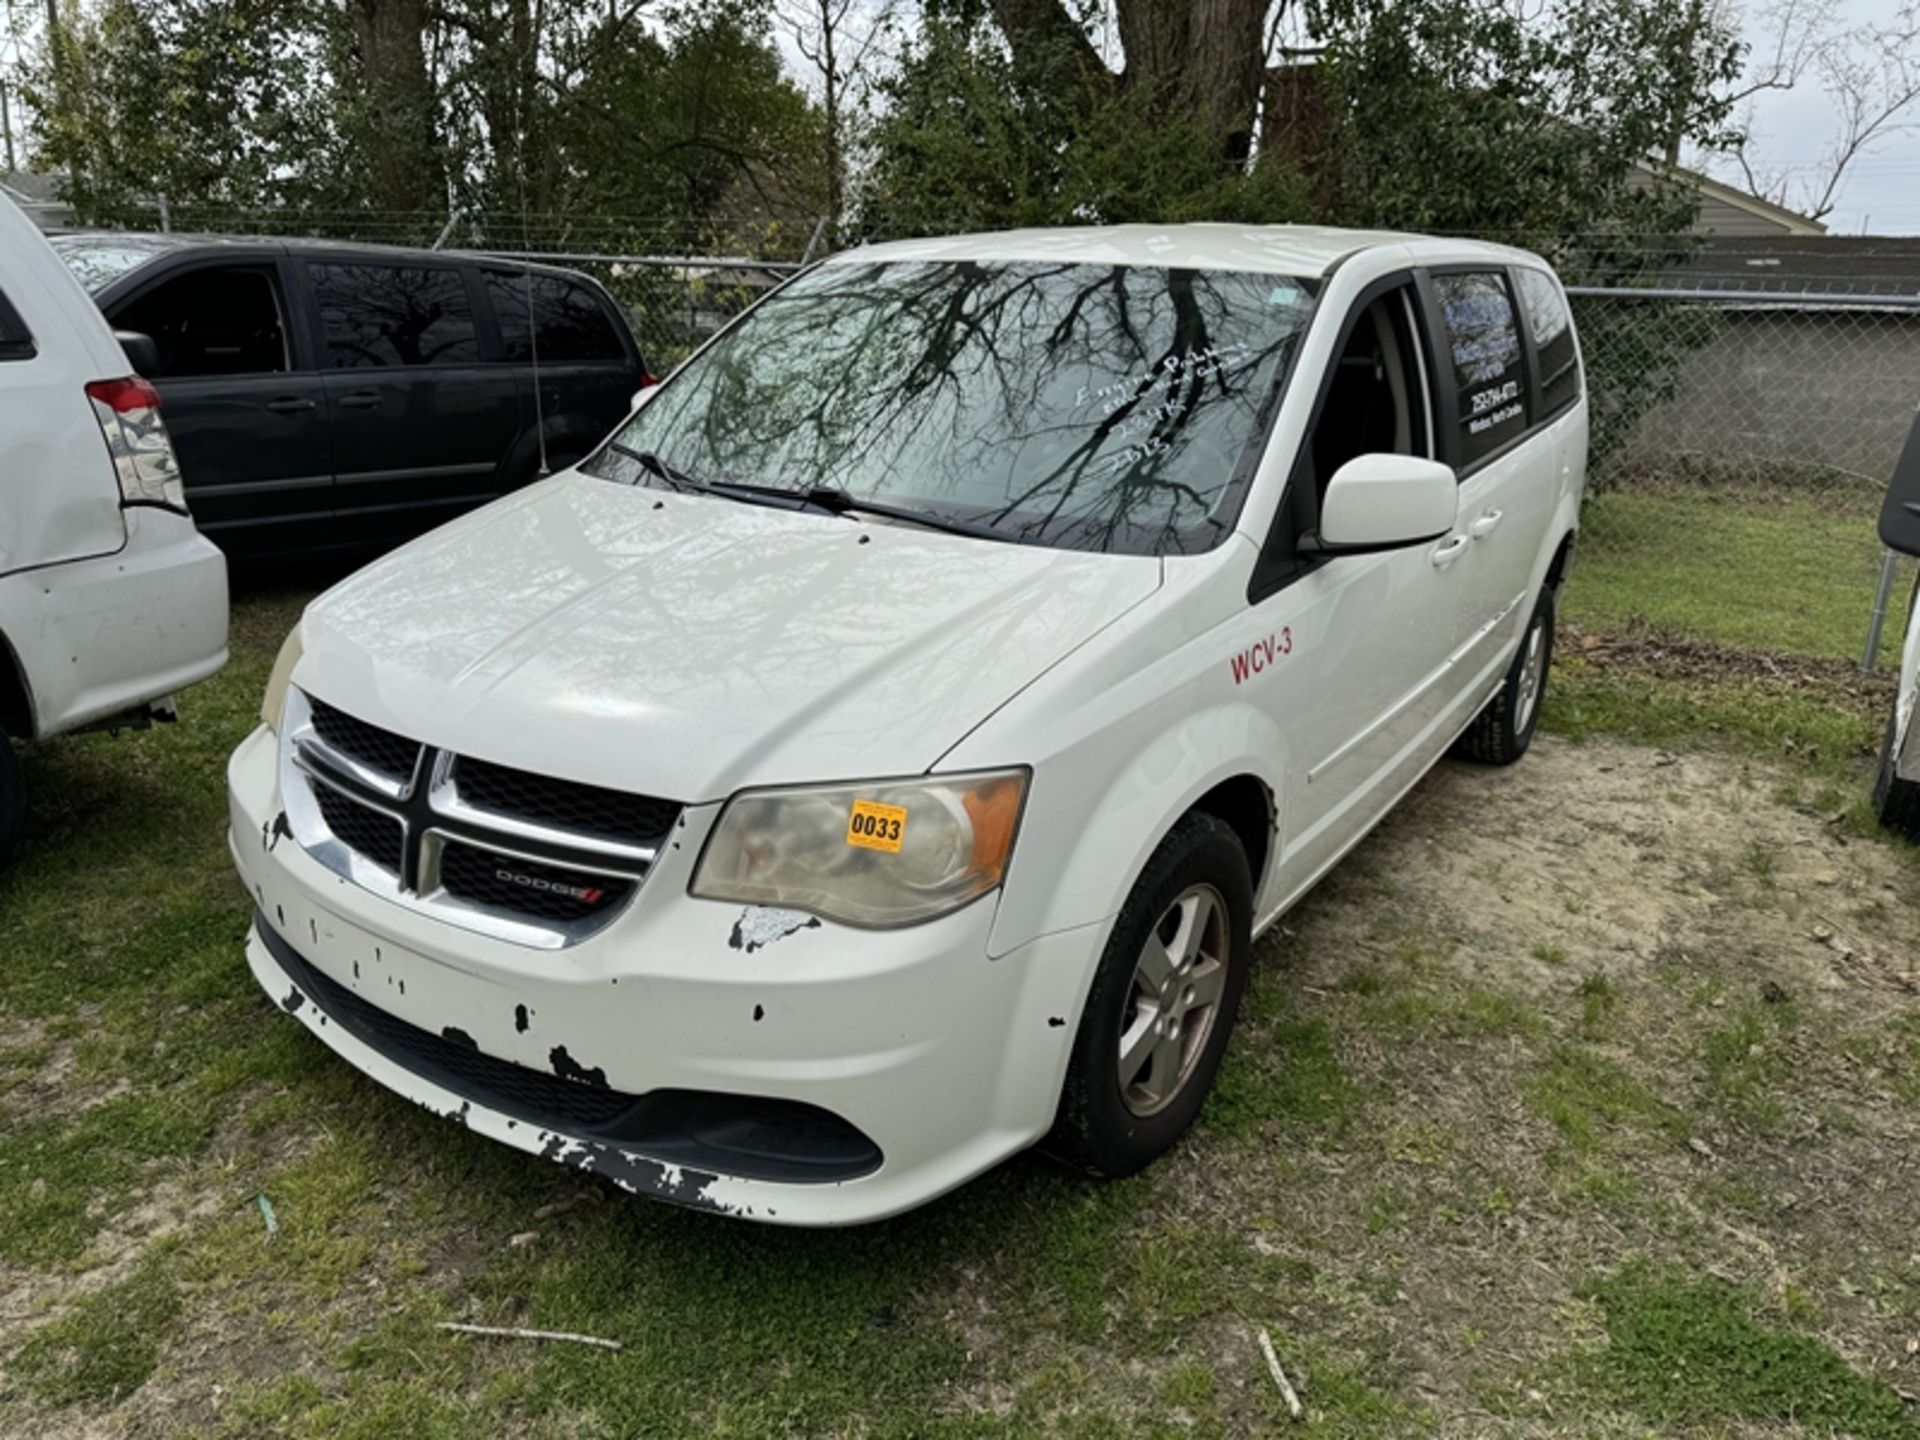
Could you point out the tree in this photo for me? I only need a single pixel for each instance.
(1455, 116)
(210, 104)
(1198, 62)
(1870, 74)
(840, 40)
(1531, 121)
(368, 118)
(395, 116)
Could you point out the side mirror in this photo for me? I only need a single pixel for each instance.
(142, 353)
(1900, 512)
(643, 394)
(1382, 502)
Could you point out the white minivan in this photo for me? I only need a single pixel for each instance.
(110, 599)
(883, 752)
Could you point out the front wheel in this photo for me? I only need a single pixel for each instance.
(1162, 1004)
(1501, 733)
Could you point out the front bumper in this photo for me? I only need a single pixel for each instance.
(106, 635)
(946, 1060)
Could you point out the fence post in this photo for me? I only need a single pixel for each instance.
(453, 219)
(166, 215)
(1879, 620)
(819, 229)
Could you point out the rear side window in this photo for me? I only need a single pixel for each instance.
(1552, 330)
(219, 321)
(16, 341)
(1483, 341)
(568, 319)
(391, 315)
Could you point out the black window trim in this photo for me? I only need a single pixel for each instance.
(1277, 566)
(16, 340)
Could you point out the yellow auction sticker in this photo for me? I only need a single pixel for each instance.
(874, 826)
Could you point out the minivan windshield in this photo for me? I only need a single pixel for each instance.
(1087, 406)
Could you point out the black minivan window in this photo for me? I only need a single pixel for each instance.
(1552, 330)
(378, 315)
(571, 323)
(222, 321)
(1091, 406)
(1483, 337)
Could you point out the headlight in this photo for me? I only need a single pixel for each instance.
(892, 853)
(275, 700)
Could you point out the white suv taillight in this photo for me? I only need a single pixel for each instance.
(129, 414)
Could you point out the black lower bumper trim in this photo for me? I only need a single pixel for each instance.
(746, 1136)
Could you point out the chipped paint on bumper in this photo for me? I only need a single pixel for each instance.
(947, 1060)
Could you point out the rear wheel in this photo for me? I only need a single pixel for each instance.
(1501, 733)
(13, 797)
(1162, 1005)
(1895, 801)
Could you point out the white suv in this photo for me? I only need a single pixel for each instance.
(882, 754)
(110, 599)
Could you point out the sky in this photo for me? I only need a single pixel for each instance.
(1791, 133)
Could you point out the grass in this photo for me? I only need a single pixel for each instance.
(1780, 577)
(1681, 1350)
(1449, 1105)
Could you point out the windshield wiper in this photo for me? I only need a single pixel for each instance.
(777, 496)
(822, 499)
(653, 464)
(834, 501)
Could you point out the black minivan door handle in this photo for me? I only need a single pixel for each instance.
(287, 404)
(360, 400)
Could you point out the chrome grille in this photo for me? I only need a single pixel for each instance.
(380, 751)
(523, 857)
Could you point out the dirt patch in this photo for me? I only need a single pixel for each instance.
(1608, 1003)
(1666, 655)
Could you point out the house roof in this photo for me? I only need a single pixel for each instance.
(29, 187)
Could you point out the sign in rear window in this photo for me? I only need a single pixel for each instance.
(1484, 341)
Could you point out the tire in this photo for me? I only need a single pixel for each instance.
(1501, 733)
(1895, 801)
(1114, 1121)
(13, 797)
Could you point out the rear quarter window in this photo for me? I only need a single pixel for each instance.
(16, 341)
(568, 319)
(1483, 343)
(1551, 326)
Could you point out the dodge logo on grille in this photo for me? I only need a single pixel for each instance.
(585, 894)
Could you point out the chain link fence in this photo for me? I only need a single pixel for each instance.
(1747, 402)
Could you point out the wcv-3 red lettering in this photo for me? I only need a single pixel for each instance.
(1262, 653)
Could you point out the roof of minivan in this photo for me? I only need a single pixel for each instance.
(1303, 250)
(152, 247)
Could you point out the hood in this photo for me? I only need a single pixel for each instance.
(686, 646)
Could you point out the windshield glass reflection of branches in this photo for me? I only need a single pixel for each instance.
(1098, 407)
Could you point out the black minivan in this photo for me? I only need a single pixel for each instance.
(328, 395)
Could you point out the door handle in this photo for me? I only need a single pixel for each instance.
(360, 400)
(1448, 551)
(1485, 525)
(288, 404)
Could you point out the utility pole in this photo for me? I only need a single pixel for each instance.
(6, 127)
